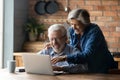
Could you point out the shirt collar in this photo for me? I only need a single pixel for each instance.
(53, 53)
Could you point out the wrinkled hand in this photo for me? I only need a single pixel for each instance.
(57, 68)
(58, 59)
(47, 45)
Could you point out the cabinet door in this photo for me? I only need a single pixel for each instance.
(33, 46)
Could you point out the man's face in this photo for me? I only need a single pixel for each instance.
(57, 41)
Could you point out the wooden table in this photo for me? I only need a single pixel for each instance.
(117, 59)
(5, 75)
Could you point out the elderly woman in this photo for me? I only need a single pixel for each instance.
(89, 39)
(57, 35)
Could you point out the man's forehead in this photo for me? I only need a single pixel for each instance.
(55, 33)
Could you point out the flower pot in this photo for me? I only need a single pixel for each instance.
(32, 36)
(41, 37)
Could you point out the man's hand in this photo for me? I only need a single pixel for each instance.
(58, 59)
(57, 68)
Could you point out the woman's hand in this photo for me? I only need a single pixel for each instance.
(58, 59)
(47, 45)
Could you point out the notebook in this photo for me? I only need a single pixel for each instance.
(38, 64)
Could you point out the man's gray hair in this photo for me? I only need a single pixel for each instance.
(57, 27)
(81, 15)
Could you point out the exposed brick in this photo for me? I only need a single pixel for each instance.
(113, 23)
(118, 29)
(113, 49)
(108, 28)
(99, 23)
(106, 33)
(116, 18)
(105, 29)
(115, 7)
(95, 13)
(112, 28)
(110, 2)
(102, 8)
(116, 34)
(119, 40)
(89, 8)
(103, 18)
(54, 20)
(79, 2)
(76, 3)
(112, 39)
(109, 13)
(114, 45)
(118, 13)
(118, 2)
(92, 2)
(118, 50)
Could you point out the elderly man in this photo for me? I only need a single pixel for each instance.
(57, 35)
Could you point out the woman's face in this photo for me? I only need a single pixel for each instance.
(77, 26)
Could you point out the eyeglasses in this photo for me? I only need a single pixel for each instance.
(56, 39)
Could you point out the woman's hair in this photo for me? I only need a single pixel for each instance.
(81, 15)
(57, 27)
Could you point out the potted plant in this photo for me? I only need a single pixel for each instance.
(34, 28)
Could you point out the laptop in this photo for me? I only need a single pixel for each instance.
(38, 64)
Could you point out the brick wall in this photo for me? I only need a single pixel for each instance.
(106, 13)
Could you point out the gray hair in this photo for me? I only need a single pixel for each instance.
(57, 27)
(81, 15)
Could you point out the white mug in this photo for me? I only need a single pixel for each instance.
(11, 65)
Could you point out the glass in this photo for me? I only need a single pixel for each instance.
(11, 64)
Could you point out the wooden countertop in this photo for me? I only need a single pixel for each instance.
(5, 75)
(20, 53)
(117, 59)
(19, 59)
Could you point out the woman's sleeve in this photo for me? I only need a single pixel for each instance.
(78, 68)
(94, 43)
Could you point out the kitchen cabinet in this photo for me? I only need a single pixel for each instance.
(33, 46)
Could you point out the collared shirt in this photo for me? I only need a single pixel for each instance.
(68, 50)
(68, 67)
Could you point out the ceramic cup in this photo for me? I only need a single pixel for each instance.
(11, 65)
